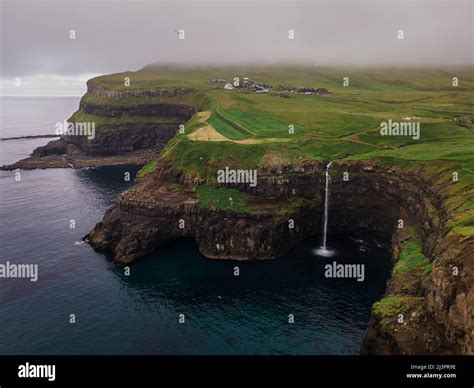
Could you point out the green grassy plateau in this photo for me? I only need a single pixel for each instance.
(241, 128)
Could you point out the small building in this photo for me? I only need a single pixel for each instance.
(228, 86)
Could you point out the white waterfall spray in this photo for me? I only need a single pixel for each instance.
(323, 251)
(326, 205)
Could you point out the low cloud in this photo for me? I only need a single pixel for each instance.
(118, 36)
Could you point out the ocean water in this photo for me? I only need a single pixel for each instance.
(139, 314)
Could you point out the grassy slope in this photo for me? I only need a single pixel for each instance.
(411, 255)
(341, 126)
(347, 122)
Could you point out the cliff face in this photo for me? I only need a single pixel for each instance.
(436, 306)
(151, 212)
(426, 310)
(450, 293)
(126, 138)
(154, 212)
(138, 109)
(99, 91)
(124, 133)
(428, 306)
(124, 127)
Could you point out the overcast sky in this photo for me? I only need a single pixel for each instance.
(113, 36)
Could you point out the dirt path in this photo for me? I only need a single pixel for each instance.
(209, 133)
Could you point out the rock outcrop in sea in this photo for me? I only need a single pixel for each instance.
(130, 127)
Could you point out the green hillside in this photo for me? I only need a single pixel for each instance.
(242, 128)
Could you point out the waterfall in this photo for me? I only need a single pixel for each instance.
(322, 250)
(326, 205)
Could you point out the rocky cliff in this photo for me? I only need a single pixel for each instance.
(436, 306)
(129, 127)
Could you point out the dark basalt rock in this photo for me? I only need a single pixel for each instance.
(54, 147)
(361, 204)
(163, 109)
(126, 138)
(98, 91)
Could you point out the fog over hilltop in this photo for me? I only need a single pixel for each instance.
(113, 36)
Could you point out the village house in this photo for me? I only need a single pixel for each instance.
(247, 84)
